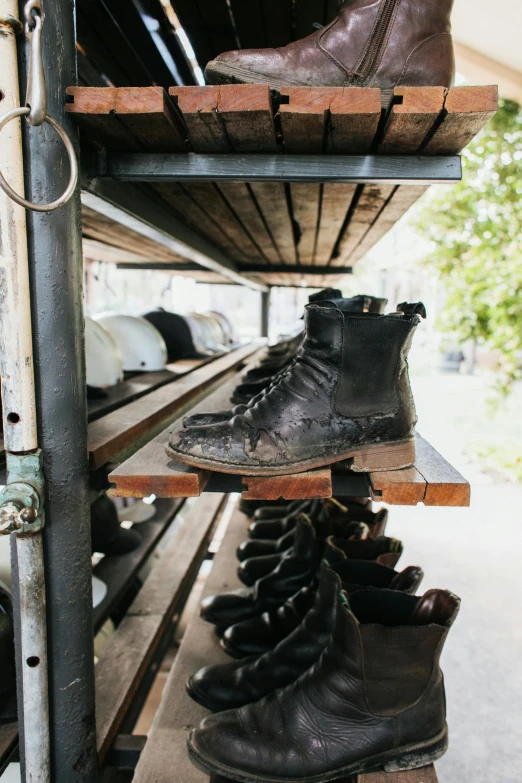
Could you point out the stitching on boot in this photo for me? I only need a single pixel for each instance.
(414, 51)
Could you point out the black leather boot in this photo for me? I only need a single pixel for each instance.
(347, 512)
(7, 659)
(107, 535)
(261, 632)
(229, 685)
(347, 396)
(278, 512)
(258, 566)
(373, 701)
(293, 572)
(361, 303)
(249, 507)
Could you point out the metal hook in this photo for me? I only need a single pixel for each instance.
(36, 97)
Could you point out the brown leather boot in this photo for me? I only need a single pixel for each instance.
(370, 44)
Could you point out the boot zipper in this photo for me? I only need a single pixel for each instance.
(374, 49)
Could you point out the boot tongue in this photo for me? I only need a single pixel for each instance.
(437, 607)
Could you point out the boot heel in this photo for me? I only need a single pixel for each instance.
(386, 456)
(419, 757)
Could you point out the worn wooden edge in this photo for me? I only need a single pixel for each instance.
(422, 775)
(164, 758)
(128, 655)
(432, 481)
(312, 484)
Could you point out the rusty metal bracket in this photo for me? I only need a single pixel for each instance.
(21, 509)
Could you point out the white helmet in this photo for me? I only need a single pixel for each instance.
(103, 357)
(142, 346)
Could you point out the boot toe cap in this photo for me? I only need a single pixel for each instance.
(228, 608)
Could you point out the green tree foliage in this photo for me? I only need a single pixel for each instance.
(476, 230)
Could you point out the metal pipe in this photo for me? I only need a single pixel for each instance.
(16, 350)
(55, 262)
(265, 313)
(19, 414)
(33, 658)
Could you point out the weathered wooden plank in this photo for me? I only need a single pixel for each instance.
(198, 106)
(165, 758)
(305, 207)
(432, 481)
(410, 121)
(423, 775)
(335, 203)
(312, 484)
(445, 485)
(369, 204)
(246, 112)
(303, 114)
(126, 659)
(354, 117)
(120, 429)
(146, 114)
(271, 198)
(401, 200)
(466, 111)
(241, 199)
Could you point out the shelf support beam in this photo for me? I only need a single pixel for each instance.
(360, 169)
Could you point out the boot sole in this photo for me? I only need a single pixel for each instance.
(372, 458)
(220, 73)
(398, 760)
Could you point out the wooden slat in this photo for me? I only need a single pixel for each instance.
(120, 429)
(410, 121)
(335, 203)
(466, 111)
(271, 198)
(402, 199)
(354, 116)
(305, 207)
(117, 572)
(423, 775)
(432, 481)
(318, 485)
(369, 205)
(246, 111)
(165, 758)
(303, 113)
(148, 118)
(126, 659)
(199, 108)
(241, 199)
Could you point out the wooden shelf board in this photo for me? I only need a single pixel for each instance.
(118, 571)
(255, 223)
(137, 421)
(127, 658)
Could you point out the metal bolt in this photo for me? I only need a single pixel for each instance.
(29, 515)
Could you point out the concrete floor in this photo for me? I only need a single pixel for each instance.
(477, 554)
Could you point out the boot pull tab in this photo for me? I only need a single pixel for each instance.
(408, 580)
(412, 308)
(437, 607)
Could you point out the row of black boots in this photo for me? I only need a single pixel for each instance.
(336, 660)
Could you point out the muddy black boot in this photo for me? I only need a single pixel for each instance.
(360, 303)
(295, 570)
(261, 632)
(369, 44)
(230, 685)
(346, 397)
(373, 701)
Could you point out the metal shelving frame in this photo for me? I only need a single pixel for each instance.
(55, 259)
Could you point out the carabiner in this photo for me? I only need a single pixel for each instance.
(36, 97)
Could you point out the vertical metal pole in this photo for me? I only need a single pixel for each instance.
(55, 262)
(265, 312)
